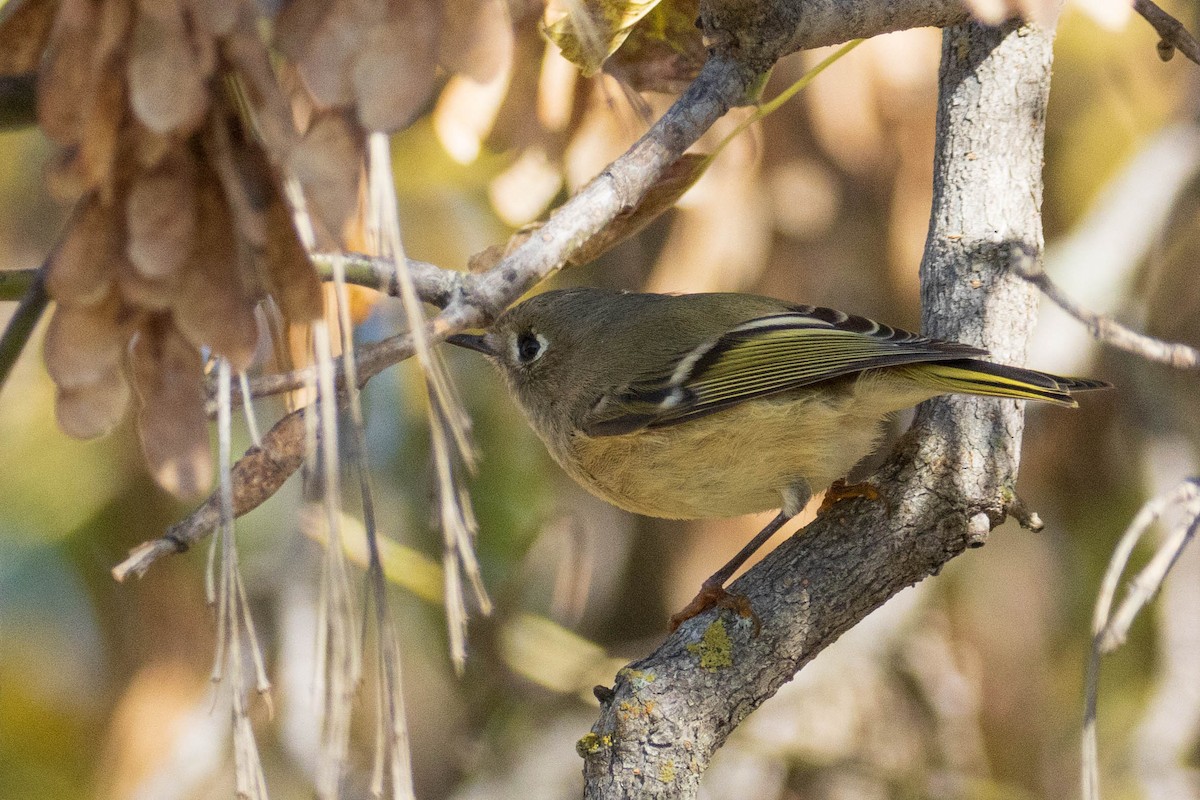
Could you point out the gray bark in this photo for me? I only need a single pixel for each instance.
(947, 484)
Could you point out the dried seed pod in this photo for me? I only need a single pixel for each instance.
(101, 126)
(326, 162)
(168, 69)
(212, 308)
(323, 39)
(92, 410)
(167, 374)
(80, 271)
(406, 44)
(24, 30)
(66, 73)
(160, 216)
(83, 344)
(218, 17)
(288, 272)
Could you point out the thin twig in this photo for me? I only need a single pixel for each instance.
(1172, 35)
(1108, 629)
(24, 320)
(18, 101)
(1104, 328)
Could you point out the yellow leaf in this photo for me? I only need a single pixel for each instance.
(591, 30)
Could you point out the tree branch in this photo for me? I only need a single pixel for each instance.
(19, 328)
(947, 485)
(18, 101)
(1172, 35)
(1103, 328)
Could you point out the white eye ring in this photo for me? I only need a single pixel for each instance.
(524, 344)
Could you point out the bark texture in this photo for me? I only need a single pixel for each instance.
(948, 483)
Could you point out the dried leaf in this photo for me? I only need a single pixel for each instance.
(218, 17)
(145, 293)
(327, 162)
(167, 374)
(24, 30)
(101, 126)
(476, 38)
(674, 181)
(405, 45)
(80, 271)
(590, 31)
(297, 24)
(112, 36)
(288, 273)
(66, 73)
(160, 216)
(91, 411)
(212, 308)
(664, 52)
(83, 344)
(168, 71)
(323, 40)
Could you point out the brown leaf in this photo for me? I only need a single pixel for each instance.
(297, 24)
(476, 38)
(80, 271)
(405, 45)
(326, 162)
(168, 69)
(167, 374)
(674, 181)
(101, 127)
(218, 17)
(24, 30)
(289, 274)
(84, 344)
(87, 412)
(66, 72)
(664, 52)
(160, 216)
(145, 293)
(323, 40)
(112, 36)
(212, 308)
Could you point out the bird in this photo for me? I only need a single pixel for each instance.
(687, 406)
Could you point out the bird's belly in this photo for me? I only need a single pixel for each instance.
(737, 461)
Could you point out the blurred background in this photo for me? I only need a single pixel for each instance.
(967, 686)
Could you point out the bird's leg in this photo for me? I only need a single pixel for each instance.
(840, 490)
(712, 591)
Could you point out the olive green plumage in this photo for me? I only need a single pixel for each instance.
(713, 405)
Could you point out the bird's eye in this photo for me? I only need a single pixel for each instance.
(530, 347)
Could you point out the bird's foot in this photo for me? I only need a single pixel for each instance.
(714, 595)
(840, 491)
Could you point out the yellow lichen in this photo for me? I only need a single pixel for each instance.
(666, 773)
(715, 648)
(592, 743)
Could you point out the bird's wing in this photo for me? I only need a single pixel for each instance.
(763, 356)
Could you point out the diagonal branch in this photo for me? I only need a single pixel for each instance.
(1172, 35)
(947, 485)
(1106, 329)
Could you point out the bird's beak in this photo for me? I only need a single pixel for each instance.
(472, 341)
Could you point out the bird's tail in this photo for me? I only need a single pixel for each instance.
(970, 376)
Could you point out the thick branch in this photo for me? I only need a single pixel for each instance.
(947, 485)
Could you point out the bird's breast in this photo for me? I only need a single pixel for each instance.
(732, 462)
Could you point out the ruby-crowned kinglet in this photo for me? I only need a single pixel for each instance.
(716, 405)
